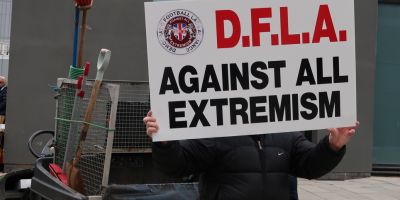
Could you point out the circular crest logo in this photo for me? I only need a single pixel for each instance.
(180, 32)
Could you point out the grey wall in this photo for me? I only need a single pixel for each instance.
(358, 159)
(41, 50)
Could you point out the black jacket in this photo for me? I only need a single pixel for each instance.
(3, 100)
(247, 167)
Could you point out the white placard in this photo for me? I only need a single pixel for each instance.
(241, 67)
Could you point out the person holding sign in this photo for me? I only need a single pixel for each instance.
(249, 167)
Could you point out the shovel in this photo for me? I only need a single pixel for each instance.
(73, 174)
(72, 133)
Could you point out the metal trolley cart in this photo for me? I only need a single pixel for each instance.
(127, 171)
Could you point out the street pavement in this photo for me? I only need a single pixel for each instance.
(372, 188)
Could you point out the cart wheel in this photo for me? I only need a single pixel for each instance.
(42, 141)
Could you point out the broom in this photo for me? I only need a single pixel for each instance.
(83, 5)
(73, 174)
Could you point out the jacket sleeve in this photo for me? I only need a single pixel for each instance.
(183, 158)
(311, 160)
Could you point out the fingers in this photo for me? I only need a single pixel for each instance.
(352, 130)
(357, 124)
(332, 131)
(151, 124)
(151, 131)
(149, 118)
(344, 129)
(151, 128)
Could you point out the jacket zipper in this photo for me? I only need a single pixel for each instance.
(260, 141)
(259, 145)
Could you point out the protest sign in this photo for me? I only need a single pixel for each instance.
(241, 67)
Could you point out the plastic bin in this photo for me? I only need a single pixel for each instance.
(9, 185)
(45, 186)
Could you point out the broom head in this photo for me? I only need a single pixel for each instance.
(84, 4)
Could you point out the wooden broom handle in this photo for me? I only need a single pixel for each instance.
(90, 108)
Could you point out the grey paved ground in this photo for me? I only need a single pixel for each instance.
(372, 188)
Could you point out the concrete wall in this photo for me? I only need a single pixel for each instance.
(358, 159)
(41, 51)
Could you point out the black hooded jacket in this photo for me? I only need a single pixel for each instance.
(247, 167)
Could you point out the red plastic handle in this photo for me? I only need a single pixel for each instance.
(56, 171)
(81, 94)
(79, 83)
(87, 67)
(81, 3)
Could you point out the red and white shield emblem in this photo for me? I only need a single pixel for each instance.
(180, 32)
